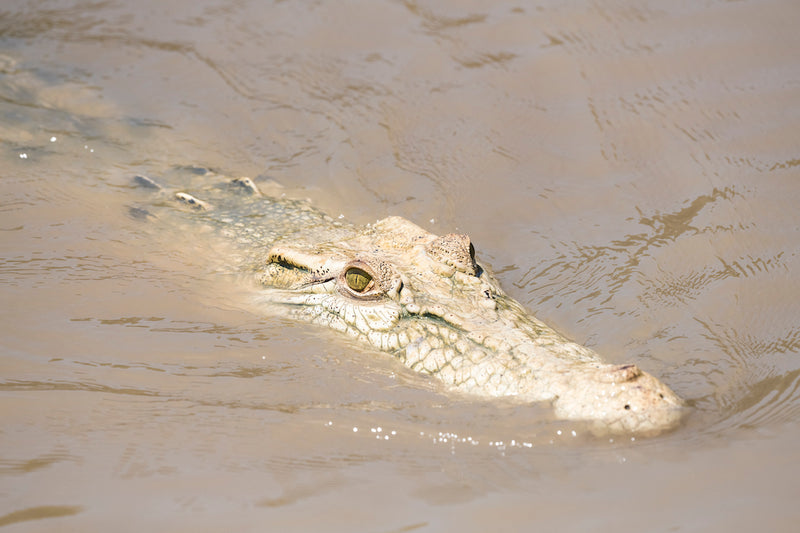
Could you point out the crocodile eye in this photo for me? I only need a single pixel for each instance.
(357, 279)
(456, 251)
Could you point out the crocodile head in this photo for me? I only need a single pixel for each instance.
(424, 299)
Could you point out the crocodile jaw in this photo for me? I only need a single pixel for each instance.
(446, 316)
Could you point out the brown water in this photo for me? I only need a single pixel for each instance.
(630, 172)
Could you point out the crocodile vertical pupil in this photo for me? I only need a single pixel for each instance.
(357, 279)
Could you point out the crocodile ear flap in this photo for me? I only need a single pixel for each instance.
(454, 250)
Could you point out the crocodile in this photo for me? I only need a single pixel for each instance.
(426, 300)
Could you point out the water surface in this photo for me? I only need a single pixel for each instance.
(629, 172)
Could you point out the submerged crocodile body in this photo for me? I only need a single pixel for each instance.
(425, 299)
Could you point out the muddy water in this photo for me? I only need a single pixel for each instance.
(630, 173)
